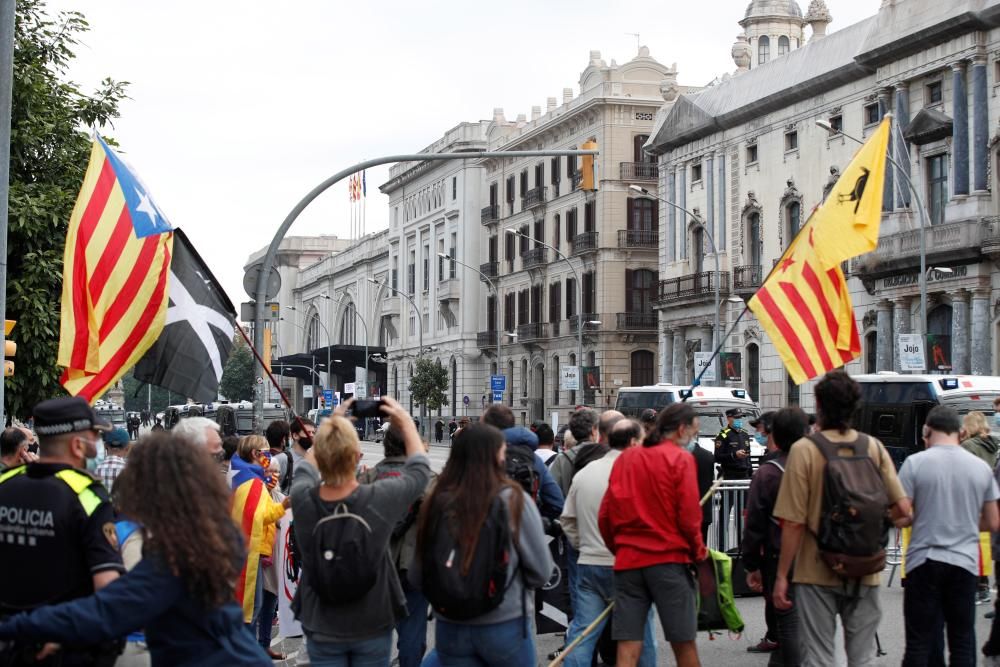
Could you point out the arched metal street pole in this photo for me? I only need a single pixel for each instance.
(718, 276)
(579, 316)
(921, 214)
(272, 250)
(420, 337)
(495, 291)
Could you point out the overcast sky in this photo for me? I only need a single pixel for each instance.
(238, 109)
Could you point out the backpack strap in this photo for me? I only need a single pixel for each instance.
(829, 449)
(775, 463)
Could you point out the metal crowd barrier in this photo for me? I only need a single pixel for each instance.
(728, 514)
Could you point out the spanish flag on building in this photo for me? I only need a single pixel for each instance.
(115, 276)
(804, 305)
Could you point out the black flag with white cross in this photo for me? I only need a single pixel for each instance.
(197, 337)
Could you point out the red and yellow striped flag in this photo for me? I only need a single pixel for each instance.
(115, 276)
(804, 304)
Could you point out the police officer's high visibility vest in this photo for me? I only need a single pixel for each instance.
(74, 479)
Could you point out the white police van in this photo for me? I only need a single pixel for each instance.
(710, 403)
(894, 407)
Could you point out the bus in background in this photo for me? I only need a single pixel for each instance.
(710, 403)
(894, 407)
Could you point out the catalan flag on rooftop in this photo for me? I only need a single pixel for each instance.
(115, 276)
(804, 305)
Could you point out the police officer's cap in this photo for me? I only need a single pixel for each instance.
(734, 412)
(67, 414)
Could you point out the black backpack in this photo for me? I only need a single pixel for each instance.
(520, 466)
(854, 516)
(345, 557)
(452, 593)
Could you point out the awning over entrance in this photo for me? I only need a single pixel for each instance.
(343, 360)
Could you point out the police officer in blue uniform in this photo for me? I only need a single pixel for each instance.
(57, 529)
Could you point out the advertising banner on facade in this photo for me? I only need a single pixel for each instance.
(911, 353)
(939, 352)
(569, 378)
(703, 362)
(592, 377)
(732, 366)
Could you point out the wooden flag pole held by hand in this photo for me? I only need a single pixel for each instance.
(586, 631)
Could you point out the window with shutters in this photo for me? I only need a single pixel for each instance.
(427, 267)
(572, 394)
(571, 164)
(555, 302)
(509, 254)
(411, 269)
(510, 383)
(539, 232)
(453, 265)
(536, 304)
(556, 223)
(554, 175)
(524, 182)
(570, 224)
(590, 216)
(510, 195)
(454, 188)
(440, 260)
(494, 194)
(523, 235)
(509, 311)
(589, 291)
(638, 154)
(491, 313)
(698, 248)
(524, 377)
(493, 249)
(570, 297)
(540, 175)
(642, 215)
(641, 362)
(640, 290)
(523, 307)
(555, 384)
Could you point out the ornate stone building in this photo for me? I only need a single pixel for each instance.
(747, 156)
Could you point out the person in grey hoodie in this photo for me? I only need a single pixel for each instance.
(978, 438)
(473, 476)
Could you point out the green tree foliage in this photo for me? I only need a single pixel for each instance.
(238, 378)
(50, 146)
(429, 384)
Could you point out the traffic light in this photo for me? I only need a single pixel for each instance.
(588, 177)
(9, 348)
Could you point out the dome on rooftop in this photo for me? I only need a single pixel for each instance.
(771, 8)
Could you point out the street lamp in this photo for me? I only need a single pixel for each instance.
(420, 336)
(715, 252)
(579, 289)
(496, 292)
(922, 213)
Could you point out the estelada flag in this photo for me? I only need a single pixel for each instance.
(115, 276)
(847, 222)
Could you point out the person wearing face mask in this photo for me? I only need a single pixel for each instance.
(732, 447)
(57, 526)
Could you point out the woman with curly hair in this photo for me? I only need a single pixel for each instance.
(182, 590)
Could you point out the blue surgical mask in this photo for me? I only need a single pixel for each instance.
(760, 438)
(737, 423)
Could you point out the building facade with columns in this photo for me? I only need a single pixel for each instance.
(567, 261)
(747, 157)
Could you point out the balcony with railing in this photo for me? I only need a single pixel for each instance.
(534, 257)
(747, 279)
(636, 321)
(490, 214)
(591, 322)
(693, 287)
(390, 304)
(585, 242)
(638, 171)
(533, 197)
(642, 239)
(531, 331)
(489, 269)
(949, 242)
(449, 289)
(486, 339)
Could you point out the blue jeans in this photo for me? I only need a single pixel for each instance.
(412, 630)
(494, 645)
(572, 571)
(940, 597)
(372, 652)
(265, 619)
(595, 590)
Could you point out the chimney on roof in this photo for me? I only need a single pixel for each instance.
(567, 95)
(550, 104)
(521, 120)
(498, 115)
(536, 113)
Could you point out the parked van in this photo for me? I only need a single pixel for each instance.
(237, 418)
(710, 403)
(894, 407)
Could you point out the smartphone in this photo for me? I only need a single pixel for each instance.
(367, 408)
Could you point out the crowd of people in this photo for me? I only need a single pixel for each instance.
(167, 554)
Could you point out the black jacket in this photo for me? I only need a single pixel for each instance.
(762, 534)
(705, 462)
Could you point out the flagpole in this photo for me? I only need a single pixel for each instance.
(7, 15)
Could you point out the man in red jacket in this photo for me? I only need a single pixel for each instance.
(651, 520)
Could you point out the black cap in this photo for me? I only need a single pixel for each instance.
(735, 412)
(68, 414)
(766, 419)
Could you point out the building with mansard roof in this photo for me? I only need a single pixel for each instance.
(747, 156)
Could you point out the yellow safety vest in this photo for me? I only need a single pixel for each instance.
(74, 479)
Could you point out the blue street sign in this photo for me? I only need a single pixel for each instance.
(497, 396)
(498, 383)
(328, 396)
(465, 399)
